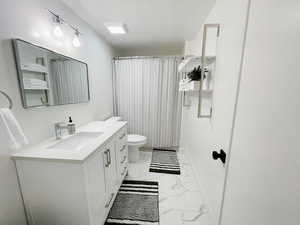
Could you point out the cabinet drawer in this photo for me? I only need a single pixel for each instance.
(123, 147)
(124, 159)
(124, 169)
(121, 153)
(123, 162)
(122, 135)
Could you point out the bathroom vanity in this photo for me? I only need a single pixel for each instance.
(74, 181)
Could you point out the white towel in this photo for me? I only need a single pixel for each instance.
(11, 133)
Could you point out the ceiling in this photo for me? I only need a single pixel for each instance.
(159, 24)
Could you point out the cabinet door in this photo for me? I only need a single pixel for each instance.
(95, 180)
(110, 173)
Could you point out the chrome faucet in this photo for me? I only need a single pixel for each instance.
(60, 126)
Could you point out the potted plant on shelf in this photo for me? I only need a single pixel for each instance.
(193, 79)
(196, 74)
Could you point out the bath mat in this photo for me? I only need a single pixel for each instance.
(164, 161)
(136, 203)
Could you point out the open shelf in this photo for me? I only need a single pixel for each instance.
(190, 62)
(192, 86)
(42, 89)
(186, 85)
(36, 68)
(35, 84)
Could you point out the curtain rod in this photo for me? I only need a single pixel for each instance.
(146, 57)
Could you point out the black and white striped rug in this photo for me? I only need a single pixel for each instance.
(164, 161)
(136, 203)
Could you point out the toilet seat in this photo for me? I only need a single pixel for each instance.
(134, 139)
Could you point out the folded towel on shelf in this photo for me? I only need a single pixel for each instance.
(31, 83)
(11, 133)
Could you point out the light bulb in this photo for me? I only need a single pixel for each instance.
(57, 31)
(76, 41)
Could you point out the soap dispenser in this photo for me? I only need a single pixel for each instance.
(71, 126)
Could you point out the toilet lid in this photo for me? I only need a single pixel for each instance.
(134, 138)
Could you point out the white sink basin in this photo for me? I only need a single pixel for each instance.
(76, 142)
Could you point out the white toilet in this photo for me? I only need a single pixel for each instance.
(134, 142)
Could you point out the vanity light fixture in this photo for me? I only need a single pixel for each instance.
(116, 28)
(59, 21)
(76, 41)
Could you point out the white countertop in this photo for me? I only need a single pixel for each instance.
(42, 150)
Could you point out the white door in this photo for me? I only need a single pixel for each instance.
(215, 132)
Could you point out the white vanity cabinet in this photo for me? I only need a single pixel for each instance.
(73, 192)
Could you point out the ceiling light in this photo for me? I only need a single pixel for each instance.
(76, 41)
(116, 28)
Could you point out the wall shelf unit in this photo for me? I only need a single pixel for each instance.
(205, 85)
(206, 74)
(36, 83)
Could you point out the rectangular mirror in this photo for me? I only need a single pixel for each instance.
(208, 62)
(47, 78)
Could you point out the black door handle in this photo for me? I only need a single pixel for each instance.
(221, 155)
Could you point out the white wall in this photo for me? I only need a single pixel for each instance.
(199, 137)
(176, 48)
(264, 172)
(30, 21)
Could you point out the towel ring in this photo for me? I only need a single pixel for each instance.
(9, 99)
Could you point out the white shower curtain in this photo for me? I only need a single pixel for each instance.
(69, 82)
(146, 95)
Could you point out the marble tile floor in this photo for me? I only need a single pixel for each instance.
(180, 198)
